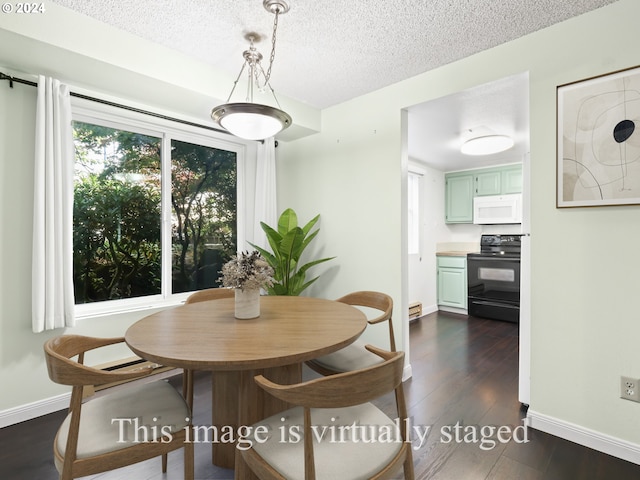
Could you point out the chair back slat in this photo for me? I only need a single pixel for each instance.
(209, 294)
(337, 391)
(62, 369)
(344, 389)
(377, 300)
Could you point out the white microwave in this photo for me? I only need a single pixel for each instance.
(497, 209)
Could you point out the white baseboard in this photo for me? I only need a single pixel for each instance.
(33, 410)
(589, 438)
(28, 411)
(426, 310)
(407, 372)
(461, 311)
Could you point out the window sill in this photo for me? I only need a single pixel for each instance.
(90, 311)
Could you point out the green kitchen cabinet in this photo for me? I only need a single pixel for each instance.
(488, 182)
(462, 187)
(452, 282)
(459, 198)
(498, 180)
(511, 179)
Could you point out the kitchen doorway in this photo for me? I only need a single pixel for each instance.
(434, 132)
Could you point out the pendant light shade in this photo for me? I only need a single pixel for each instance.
(249, 120)
(252, 121)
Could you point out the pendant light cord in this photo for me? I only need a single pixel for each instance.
(272, 57)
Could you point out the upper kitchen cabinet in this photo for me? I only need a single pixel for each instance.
(498, 180)
(462, 187)
(511, 179)
(459, 189)
(488, 182)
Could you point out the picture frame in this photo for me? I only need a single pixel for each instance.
(598, 140)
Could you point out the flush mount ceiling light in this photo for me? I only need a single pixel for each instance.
(249, 120)
(486, 145)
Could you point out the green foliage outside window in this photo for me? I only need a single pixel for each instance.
(117, 214)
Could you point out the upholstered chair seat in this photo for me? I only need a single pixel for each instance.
(132, 419)
(332, 429)
(351, 357)
(339, 452)
(355, 356)
(155, 404)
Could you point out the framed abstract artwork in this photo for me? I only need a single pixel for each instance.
(598, 140)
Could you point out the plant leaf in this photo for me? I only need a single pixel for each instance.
(310, 224)
(288, 221)
(291, 244)
(274, 238)
(307, 266)
(308, 239)
(304, 287)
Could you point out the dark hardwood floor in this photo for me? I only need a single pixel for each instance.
(465, 378)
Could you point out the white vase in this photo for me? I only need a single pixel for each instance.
(247, 303)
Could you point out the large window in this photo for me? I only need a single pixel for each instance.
(203, 201)
(155, 211)
(116, 214)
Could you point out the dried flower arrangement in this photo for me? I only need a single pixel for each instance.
(247, 271)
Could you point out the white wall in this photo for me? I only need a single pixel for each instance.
(584, 315)
(422, 283)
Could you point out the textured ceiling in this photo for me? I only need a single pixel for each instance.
(330, 51)
(438, 128)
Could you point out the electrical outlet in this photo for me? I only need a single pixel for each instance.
(630, 389)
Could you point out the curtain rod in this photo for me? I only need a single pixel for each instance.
(13, 80)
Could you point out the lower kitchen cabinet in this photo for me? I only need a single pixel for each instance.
(452, 283)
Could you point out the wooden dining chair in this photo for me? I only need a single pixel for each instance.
(209, 294)
(333, 431)
(355, 356)
(201, 296)
(126, 426)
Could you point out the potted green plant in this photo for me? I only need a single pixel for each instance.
(288, 243)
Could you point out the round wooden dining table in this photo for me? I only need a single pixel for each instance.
(207, 336)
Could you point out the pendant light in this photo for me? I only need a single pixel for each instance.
(249, 120)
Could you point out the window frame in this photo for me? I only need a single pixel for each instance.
(166, 130)
(414, 211)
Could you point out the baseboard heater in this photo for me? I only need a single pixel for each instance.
(415, 310)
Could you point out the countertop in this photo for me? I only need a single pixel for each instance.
(453, 253)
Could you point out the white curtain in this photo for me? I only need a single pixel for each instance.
(52, 268)
(265, 199)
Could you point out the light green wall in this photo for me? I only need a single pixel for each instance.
(23, 374)
(584, 321)
(110, 64)
(350, 174)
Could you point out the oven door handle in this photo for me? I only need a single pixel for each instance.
(492, 304)
(493, 259)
